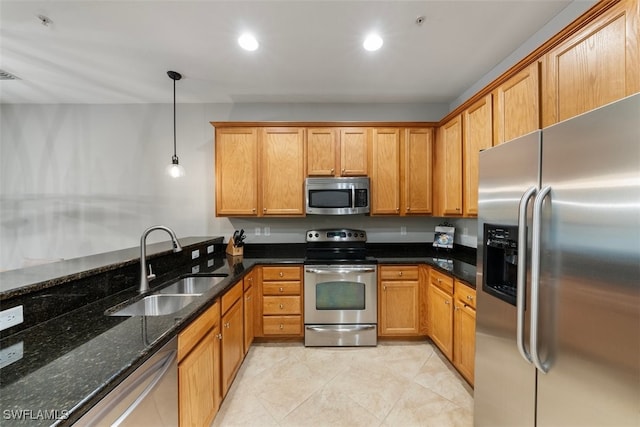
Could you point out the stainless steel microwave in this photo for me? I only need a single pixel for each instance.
(337, 196)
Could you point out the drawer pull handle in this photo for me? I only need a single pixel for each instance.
(281, 306)
(281, 326)
(281, 290)
(400, 274)
(219, 336)
(227, 325)
(447, 302)
(281, 274)
(469, 297)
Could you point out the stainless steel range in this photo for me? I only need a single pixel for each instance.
(340, 291)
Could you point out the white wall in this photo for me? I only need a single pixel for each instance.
(77, 180)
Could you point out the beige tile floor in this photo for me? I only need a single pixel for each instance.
(394, 384)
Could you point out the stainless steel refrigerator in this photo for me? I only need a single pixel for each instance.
(558, 309)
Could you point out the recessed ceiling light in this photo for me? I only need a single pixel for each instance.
(372, 42)
(248, 42)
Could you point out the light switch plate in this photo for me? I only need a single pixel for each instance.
(11, 317)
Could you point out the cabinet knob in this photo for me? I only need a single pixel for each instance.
(281, 290)
(250, 279)
(408, 208)
(457, 209)
(248, 298)
(219, 336)
(384, 288)
(281, 306)
(253, 210)
(400, 273)
(264, 210)
(281, 274)
(469, 297)
(439, 281)
(447, 302)
(281, 326)
(456, 308)
(332, 170)
(343, 171)
(397, 210)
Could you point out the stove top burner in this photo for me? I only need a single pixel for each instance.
(336, 246)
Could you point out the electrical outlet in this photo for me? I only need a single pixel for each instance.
(267, 231)
(195, 269)
(11, 317)
(195, 254)
(11, 354)
(403, 231)
(209, 263)
(210, 249)
(257, 231)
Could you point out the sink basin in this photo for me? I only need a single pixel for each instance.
(191, 285)
(156, 305)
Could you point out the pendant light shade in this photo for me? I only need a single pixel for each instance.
(174, 169)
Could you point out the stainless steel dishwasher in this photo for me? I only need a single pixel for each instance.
(147, 397)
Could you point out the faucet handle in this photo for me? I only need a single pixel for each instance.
(151, 276)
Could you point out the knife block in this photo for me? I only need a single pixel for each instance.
(234, 250)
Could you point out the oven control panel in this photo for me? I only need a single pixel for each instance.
(336, 235)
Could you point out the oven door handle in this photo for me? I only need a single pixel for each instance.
(341, 328)
(340, 270)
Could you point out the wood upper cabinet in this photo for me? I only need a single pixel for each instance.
(516, 109)
(399, 300)
(337, 151)
(236, 161)
(478, 133)
(283, 171)
(597, 65)
(385, 171)
(232, 325)
(464, 331)
(416, 171)
(448, 168)
(199, 369)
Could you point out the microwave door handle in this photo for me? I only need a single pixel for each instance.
(353, 196)
(522, 270)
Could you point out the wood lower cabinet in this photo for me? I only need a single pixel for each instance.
(249, 309)
(399, 304)
(199, 369)
(441, 311)
(598, 64)
(464, 330)
(232, 330)
(478, 135)
(448, 169)
(282, 304)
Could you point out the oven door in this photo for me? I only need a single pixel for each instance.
(340, 294)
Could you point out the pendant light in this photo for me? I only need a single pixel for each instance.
(174, 169)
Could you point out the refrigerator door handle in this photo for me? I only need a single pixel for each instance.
(535, 277)
(522, 270)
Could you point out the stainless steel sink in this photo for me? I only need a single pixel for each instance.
(192, 285)
(156, 305)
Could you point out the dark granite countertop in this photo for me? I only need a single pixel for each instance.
(73, 360)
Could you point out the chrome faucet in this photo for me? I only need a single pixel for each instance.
(144, 277)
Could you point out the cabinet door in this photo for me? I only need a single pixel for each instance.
(441, 320)
(248, 317)
(399, 307)
(478, 135)
(464, 339)
(417, 171)
(321, 152)
(516, 109)
(597, 65)
(282, 171)
(449, 166)
(196, 381)
(385, 174)
(236, 171)
(232, 344)
(423, 292)
(353, 151)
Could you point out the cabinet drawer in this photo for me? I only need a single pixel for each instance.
(399, 272)
(465, 294)
(232, 295)
(281, 288)
(192, 334)
(281, 305)
(281, 273)
(442, 281)
(282, 325)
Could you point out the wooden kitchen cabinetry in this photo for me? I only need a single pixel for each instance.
(423, 294)
(199, 369)
(232, 334)
(478, 135)
(516, 105)
(598, 64)
(249, 308)
(236, 171)
(440, 303)
(385, 171)
(464, 330)
(337, 151)
(283, 166)
(448, 169)
(282, 301)
(399, 309)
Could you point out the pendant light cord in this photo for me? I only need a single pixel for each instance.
(174, 119)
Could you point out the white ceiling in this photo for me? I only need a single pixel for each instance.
(310, 50)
